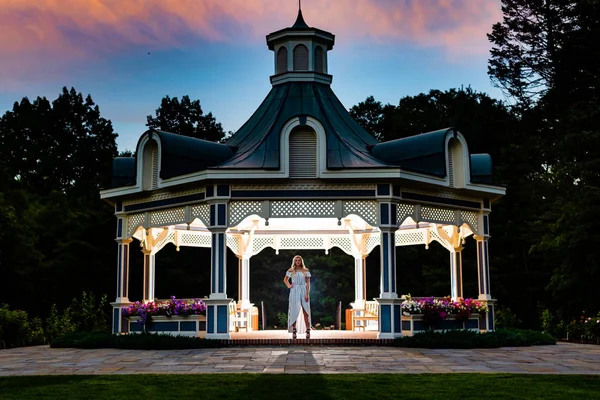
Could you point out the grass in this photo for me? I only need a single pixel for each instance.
(269, 386)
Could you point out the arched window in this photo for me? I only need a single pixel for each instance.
(456, 164)
(150, 166)
(282, 62)
(319, 60)
(303, 153)
(300, 58)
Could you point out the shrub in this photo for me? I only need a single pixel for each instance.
(86, 314)
(505, 318)
(14, 326)
(458, 339)
(282, 319)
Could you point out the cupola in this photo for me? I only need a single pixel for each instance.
(300, 53)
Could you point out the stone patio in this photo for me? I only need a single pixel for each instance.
(564, 358)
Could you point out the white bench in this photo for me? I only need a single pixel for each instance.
(238, 318)
(364, 311)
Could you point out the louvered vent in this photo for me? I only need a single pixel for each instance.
(154, 167)
(450, 167)
(319, 65)
(282, 60)
(300, 58)
(303, 154)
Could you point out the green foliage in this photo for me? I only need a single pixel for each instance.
(185, 118)
(459, 339)
(282, 320)
(86, 315)
(141, 341)
(505, 318)
(14, 326)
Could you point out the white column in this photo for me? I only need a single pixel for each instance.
(483, 268)
(360, 286)
(149, 276)
(245, 282)
(456, 279)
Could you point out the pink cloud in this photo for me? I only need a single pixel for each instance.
(56, 34)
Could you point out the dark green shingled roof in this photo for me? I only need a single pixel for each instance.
(182, 155)
(123, 172)
(257, 142)
(426, 153)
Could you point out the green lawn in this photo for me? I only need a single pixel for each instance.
(296, 387)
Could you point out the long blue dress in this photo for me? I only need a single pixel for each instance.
(297, 301)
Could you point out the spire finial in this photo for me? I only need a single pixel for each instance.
(299, 5)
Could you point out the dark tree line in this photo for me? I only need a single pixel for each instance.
(56, 236)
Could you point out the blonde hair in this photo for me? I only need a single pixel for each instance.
(293, 267)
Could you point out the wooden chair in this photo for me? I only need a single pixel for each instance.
(236, 315)
(364, 311)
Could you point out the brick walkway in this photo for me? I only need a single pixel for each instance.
(560, 359)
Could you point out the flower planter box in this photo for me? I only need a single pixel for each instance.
(414, 324)
(176, 325)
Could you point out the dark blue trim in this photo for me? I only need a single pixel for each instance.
(214, 258)
(223, 190)
(221, 214)
(397, 318)
(116, 318)
(386, 318)
(166, 326)
(419, 326)
(221, 261)
(302, 120)
(487, 264)
(406, 325)
(450, 324)
(188, 326)
(486, 228)
(119, 227)
(396, 190)
(119, 272)
(147, 275)
(210, 319)
(165, 202)
(212, 214)
(383, 190)
(210, 191)
(118, 206)
(457, 266)
(202, 326)
(480, 259)
(319, 194)
(441, 200)
(221, 319)
(490, 317)
(385, 259)
(472, 323)
(394, 214)
(384, 211)
(135, 326)
(486, 203)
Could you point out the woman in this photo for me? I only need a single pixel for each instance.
(299, 287)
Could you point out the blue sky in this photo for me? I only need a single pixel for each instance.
(216, 51)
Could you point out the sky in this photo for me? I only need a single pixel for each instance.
(129, 54)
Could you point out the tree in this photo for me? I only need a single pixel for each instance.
(64, 145)
(185, 118)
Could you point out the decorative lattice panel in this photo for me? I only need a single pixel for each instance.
(194, 239)
(433, 214)
(470, 218)
(372, 242)
(167, 217)
(238, 210)
(367, 210)
(170, 238)
(302, 243)
(233, 242)
(261, 242)
(433, 235)
(410, 237)
(303, 208)
(134, 221)
(344, 243)
(405, 211)
(201, 211)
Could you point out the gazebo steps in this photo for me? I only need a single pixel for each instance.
(307, 342)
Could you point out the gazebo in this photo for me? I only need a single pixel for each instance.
(301, 174)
